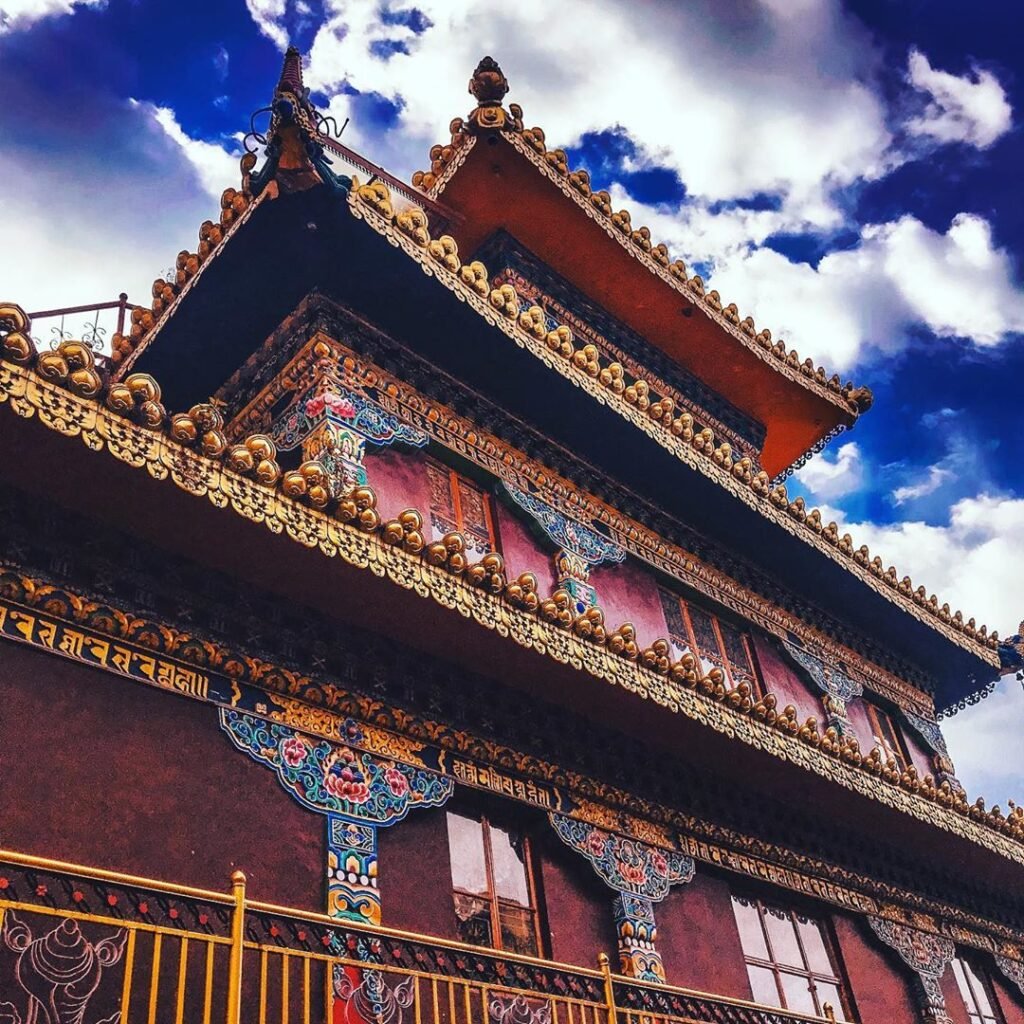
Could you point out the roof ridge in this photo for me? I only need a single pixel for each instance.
(640, 403)
(490, 117)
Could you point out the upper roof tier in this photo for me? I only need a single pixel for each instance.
(566, 223)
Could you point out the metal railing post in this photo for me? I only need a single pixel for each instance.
(609, 987)
(234, 1014)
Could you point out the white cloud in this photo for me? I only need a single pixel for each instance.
(20, 14)
(958, 284)
(984, 742)
(269, 18)
(975, 561)
(936, 476)
(214, 166)
(829, 477)
(972, 109)
(656, 69)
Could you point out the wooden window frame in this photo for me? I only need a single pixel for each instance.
(493, 900)
(974, 1013)
(777, 968)
(454, 490)
(722, 661)
(887, 735)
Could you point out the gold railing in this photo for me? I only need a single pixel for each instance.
(76, 940)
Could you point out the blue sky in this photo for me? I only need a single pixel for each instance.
(849, 174)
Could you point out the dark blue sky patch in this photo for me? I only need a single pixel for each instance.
(412, 18)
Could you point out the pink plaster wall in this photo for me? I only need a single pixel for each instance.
(522, 553)
(627, 593)
(399, 479)
(781, 679)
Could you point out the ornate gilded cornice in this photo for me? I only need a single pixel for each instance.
(465, 436)
(60, 621)
(499, 307)
(576, 186)
(246, 478)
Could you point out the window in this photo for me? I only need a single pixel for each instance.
(458, 504)
(886, 736)
(493, 885)
(789, 961)
(714, 642)
(976, 991)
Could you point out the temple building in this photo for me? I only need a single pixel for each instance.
(406, 621)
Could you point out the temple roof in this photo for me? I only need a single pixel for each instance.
(559, 215)
(305, 229)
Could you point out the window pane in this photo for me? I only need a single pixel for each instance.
(748, 920)
(466, 848)
(961, 981)
(763, 987)
(797, 989)
(509, 867)
(473, 916)
(782, 936)
(517, 931)
(814, 946)
(829, 994)
(980, 992)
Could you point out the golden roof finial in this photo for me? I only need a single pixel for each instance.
(489, 85)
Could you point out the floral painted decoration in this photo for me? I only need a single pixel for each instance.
(335, 778)
(625, 865)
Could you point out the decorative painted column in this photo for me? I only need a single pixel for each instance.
(641, 876)
(836, 687)
(357, 792)
(332, 423)
(580, 547)
(927, 955)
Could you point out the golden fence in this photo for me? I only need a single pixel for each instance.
(86, 944)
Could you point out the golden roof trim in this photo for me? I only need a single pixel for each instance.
(553, 164)
(64, 391)
(439, 258)
(522, 471)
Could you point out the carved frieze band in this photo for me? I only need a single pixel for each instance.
(95, 634)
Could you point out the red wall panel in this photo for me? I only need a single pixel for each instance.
(698, 939)
(1009, 997)
(415, 875)
(578, 906)
(521, 551)
(109, 773)
(880, 982)
(628, 593)
(399, 479)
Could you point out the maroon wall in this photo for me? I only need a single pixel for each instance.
(1009, 997)
(698, 939)
(955, 1005)
(879, 981)
(110, 773)
(415, 875)
(578, 905)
